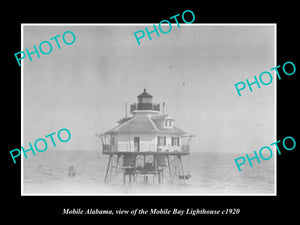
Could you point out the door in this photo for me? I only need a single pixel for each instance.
(136, 144)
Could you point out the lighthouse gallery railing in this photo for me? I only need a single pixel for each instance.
(144, 106)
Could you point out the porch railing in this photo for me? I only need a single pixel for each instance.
(127, 147)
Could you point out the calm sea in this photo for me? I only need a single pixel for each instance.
(212, 173)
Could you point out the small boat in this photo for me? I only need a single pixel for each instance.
(72, 171)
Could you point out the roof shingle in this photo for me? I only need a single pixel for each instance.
(143, 125)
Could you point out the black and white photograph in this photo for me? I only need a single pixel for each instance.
(144, 112)
(160, 118)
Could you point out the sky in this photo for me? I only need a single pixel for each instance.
(84, 86)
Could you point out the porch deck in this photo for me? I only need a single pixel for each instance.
(144, 153)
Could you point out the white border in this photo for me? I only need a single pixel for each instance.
(22, 109)
(275, 93)
(149, 24)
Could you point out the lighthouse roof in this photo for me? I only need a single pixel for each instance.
(144, 124)
(145, 94)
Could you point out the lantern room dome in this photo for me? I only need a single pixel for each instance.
(145, 95)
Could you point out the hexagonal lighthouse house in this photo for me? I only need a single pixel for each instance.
(145, 145)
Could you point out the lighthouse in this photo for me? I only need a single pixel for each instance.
(146, 146)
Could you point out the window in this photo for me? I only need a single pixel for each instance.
(161, 141)
(168, 123)
(175, 141)
(112, 141)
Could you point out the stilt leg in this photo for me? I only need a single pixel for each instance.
(159, 176)
(169, 167)
(116, 167)
(156, 169)
(179, 157)
(107, 169)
